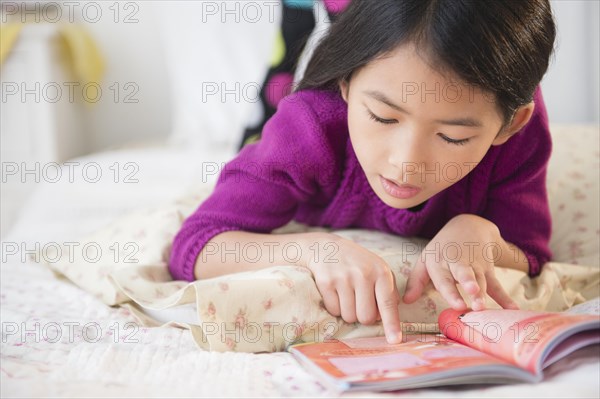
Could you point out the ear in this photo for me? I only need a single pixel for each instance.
(520, 119)
(344, 87)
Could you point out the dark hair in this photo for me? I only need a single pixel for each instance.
(502, 47)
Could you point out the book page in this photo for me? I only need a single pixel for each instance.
(590, 307)
(372, 360)
(518, 336)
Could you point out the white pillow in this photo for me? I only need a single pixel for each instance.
(217, 55)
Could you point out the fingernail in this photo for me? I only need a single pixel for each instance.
(472, 287)
(394, 337)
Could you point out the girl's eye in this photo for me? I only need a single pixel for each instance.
(391, 121)
(455, 142)
(381, 120)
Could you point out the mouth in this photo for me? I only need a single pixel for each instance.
(397, 190)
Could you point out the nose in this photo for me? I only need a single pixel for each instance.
(406, 156)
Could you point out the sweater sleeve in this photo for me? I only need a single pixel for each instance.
(261, 188)
(518, 200)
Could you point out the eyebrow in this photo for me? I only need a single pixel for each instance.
(379, 96)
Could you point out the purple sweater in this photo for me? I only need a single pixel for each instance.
(304, 168)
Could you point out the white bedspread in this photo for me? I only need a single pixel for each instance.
(111, 358)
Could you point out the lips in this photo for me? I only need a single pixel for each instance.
(402, 185)
(402, 191)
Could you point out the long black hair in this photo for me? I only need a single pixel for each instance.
(500, 46)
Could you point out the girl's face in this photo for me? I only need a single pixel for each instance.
(414, 132)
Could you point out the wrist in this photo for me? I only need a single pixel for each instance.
(476, 221)
(512, 257)
(317, 246)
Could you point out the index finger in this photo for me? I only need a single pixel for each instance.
(444, 282)
(387, 301)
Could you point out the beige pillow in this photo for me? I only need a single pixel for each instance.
(574, 194)
(126, 265)
(266, 310)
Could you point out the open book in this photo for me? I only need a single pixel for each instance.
(489, 346)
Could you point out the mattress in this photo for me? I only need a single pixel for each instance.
(59, 340)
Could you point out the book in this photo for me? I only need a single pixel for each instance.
(474, 347)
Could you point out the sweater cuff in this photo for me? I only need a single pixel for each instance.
(535, 264)
(186, 250)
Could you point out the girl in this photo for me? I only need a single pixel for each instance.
(414, 117)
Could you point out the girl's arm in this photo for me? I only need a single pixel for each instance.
(297, 161)
(518, 200)
(512, 257)
(294, 162)
(513, 231)
(355, 283)
(239, 251)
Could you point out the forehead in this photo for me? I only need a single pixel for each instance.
(408, 77)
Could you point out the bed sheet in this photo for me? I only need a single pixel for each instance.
(81, 347)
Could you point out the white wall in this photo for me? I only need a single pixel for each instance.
(170, 53)
(135, 65)
(571, 87)
(135, 53)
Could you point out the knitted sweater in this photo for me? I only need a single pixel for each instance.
(304, 168)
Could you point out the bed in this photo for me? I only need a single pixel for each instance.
(82, 347)
(63, 337)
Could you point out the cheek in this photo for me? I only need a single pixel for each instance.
(455, 168)
(358, 130)
(355, 124)
(363, 130)
(366, 148)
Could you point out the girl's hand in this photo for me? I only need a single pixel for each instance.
(463, 242)
(356, 284)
